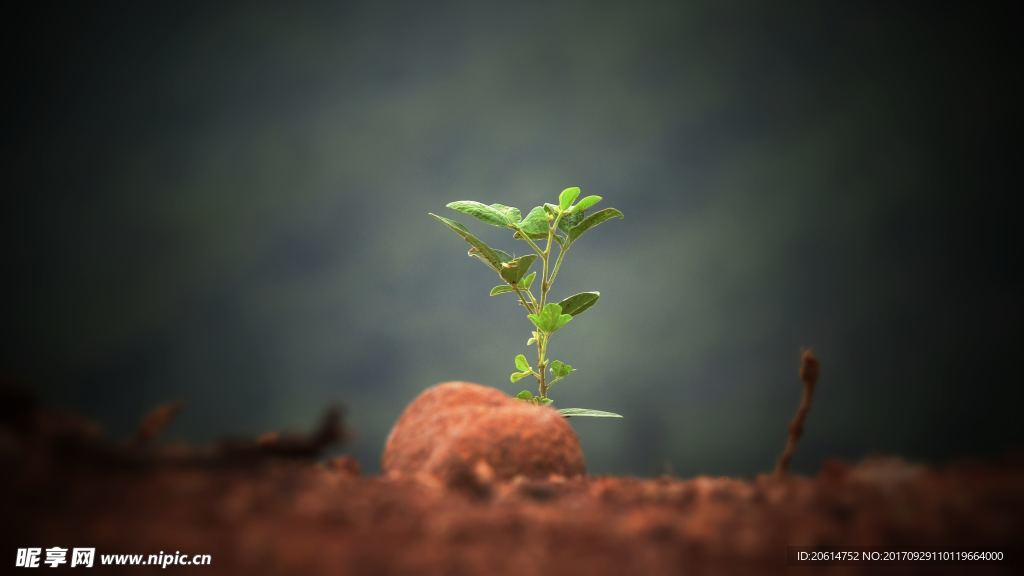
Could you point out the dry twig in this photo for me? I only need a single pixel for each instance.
(154, 423)
(809, 370)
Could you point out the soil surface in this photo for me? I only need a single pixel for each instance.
(271, 507)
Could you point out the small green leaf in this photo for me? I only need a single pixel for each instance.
(563, 319)
(535, 225)
(525, 395)
(501, 289)
(593, 220)
(561, 369)
(521, 363)
(585, 203)
(577, 303)
(517, 376)
(567, 197)
(569, 220)
(490, 256)
(482, 212)
(544, 401)
(532, 339)
(512, 214)
(550, 318)
(527, 280)
(568, 412)
(513, 270)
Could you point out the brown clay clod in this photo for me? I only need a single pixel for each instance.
(451, 428)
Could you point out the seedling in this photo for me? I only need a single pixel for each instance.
(556, 225)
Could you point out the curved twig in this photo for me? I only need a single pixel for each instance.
(809, 371)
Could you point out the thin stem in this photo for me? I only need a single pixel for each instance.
(532, 299)
(542, 387)
(544, 280)
(523, 300)
(533, 307)
(545, 285)
(558, 263)
(530, 242)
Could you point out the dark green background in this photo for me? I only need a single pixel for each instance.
(226, 204)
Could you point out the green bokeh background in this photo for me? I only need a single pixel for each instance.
(226, 204)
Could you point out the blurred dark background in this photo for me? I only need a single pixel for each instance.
(226, 204)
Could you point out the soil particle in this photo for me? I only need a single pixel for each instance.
(344, 465)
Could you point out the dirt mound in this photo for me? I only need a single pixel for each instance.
(293, 517)
(266, 507)
(460, 430)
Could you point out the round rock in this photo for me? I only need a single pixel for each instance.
(451, 427)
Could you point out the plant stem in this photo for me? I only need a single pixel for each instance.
(545, 284)
(558, 263)
(544, 278)
(532, 299)
(531, 242)
(523, 300)
(542, 387)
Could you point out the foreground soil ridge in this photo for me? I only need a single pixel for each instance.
(273, 506)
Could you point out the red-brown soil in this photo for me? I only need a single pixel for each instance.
(461, 429)
(259, 508)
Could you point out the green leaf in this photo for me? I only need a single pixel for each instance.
(527, 280)
(482, 212)
(513, 270)
(561, 369)
(532, 339)
(501, 254)
(569, 220)
(585, 203)
(567, 197)
(535, 225)
(521, 363)
(568, 412)
(593, 220)
(517, 376)
(563, 319)
(545, 401)
(550, 318)
(512, 214)
(525, 395)
(501, 289)
(577, 303)
(490, 256)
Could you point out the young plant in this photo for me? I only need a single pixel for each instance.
(555, 225)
